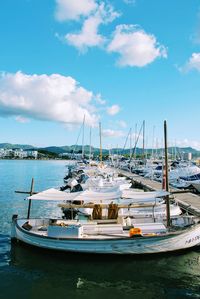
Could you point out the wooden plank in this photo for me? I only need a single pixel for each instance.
(25, 192)
(104, 206)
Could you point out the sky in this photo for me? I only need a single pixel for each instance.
(117, 62)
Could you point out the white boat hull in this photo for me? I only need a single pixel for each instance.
(187, 238)
(196, 185)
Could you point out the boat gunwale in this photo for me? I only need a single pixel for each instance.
(166, 236)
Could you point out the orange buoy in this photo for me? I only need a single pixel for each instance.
(135, 232)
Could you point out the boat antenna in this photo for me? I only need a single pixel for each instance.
(166, 175)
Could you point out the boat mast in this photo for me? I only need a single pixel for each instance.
(175, 150)
(90, 154)
(100, 153)
(117, 156)
(130, 149)
(156, 148)
(153, 139)
(143, 139)
(29, 202)
(166, 175)
(83, 147)
(130, 143)
(136, 141)
(135, 154)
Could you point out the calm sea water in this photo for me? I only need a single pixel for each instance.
(33, 273)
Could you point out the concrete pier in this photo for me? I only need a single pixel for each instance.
(188, 201)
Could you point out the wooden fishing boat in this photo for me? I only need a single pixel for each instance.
(107, 238)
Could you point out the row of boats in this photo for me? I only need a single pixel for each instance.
(182, 174)
(103, 214)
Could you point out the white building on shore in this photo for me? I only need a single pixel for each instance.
(18, 154)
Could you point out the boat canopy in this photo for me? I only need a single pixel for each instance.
(54, 194)
(89, 195)
(130, 193)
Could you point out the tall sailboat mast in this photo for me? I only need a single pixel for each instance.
(83, 137)
(143, 139)
(130, 143)
(166, 174)
(135, 154)
(100, 154)
(153, 143)
(90, 154)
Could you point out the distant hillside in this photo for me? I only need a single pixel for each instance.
(78, 149)
(12, 146)
(139, 151)
(53, 149)
(73, 148)
(159, 151)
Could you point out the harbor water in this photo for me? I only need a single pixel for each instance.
(27, 272)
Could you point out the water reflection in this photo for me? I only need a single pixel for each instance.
(4, 250)
(55, 273)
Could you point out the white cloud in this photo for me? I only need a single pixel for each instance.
(114, 109)
(135, 46)
(88, 36)
(55, 98)
(73, 9)
(107, 13)
(188, 143)
(99, 99)
(192, 64)
(112, 133)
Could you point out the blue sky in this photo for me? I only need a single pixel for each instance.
(119, 62)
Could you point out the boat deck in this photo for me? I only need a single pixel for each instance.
(187, 201)
(124, 234)
(93, 230)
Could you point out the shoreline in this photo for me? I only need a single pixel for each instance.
(64, 160)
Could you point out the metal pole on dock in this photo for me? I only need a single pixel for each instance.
(29, 203)
(166, 174)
